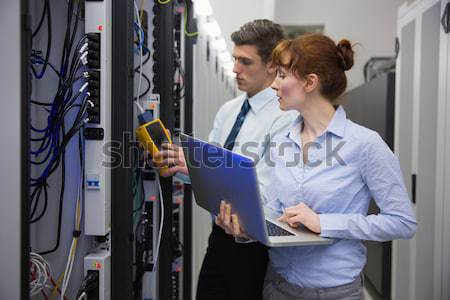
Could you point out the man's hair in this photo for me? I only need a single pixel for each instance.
(264, 34)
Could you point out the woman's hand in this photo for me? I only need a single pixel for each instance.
(301, 214)
(229, 222)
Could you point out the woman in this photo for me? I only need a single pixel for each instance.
(327, 169)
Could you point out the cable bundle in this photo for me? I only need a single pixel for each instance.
(49, 143)
(44, 62)
(40, 273)
(140, 51)
(76, 235)
(70, 108)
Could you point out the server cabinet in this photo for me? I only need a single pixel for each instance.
(372, 105)
(14, 84)
(419, 271)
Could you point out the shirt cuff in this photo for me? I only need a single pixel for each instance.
(333, 225)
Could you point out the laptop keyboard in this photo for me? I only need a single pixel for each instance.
(275, 230)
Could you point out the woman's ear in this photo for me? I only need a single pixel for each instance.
(311, 82)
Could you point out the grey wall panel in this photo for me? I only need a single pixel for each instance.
(10, 158)
(426, 167)
(405, 142)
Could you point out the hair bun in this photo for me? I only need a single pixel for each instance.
(345, 54)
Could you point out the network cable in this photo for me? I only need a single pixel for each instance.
(137, 70)
(161, 224)
(52, 140)
(46, 12)
(141, 41)
(40, 273)
(77, 226)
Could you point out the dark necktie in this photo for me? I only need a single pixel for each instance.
(229, 143)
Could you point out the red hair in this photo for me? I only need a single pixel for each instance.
(318, 54)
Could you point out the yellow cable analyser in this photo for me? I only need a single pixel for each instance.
(152, 135)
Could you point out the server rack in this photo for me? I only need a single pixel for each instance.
(121, 177)
(188, 122)
(373, 105)
(163, 85)
(25, 50)
(122, 116)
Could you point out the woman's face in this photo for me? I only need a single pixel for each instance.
(290, 90)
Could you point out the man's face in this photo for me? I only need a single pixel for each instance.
(252, 74)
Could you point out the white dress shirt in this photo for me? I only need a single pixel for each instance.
(261, 124)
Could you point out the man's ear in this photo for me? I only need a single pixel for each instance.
(271, 68)
(311, 82)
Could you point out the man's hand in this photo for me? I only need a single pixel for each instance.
(230, 222)
(301, 214)
(172, 156)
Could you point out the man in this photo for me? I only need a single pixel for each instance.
(244, 125)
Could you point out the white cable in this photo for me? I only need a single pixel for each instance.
(84, 47)
(43, 273)
(161, 224)
(68, 270)
(42, 269)
(79, 203)
(67, 274)
(142, 110)
(36, 284)
(83, 58)
(91, 103)
(83, 87)
(71, 258)
(82, 296)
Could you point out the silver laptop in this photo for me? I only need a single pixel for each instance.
(219, 174)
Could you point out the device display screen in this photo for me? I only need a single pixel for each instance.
(157, 134)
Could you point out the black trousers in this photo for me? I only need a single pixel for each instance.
(231, 270)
